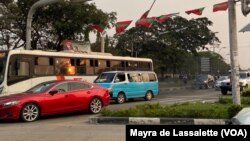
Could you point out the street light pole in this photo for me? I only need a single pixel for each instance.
(31, 12)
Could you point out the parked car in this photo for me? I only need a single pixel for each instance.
(242, 118)
(219, 81)
(204, 81)
(244, 81)
(54, 97)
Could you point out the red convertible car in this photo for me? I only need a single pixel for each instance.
(54, 97)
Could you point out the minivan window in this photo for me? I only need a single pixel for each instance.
(120, 77)
(134, 77)
(145, 77)
(152, 77)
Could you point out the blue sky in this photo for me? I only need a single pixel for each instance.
(133, 9)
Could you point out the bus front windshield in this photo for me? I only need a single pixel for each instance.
(2, 66)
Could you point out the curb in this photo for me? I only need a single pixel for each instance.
(145, 120)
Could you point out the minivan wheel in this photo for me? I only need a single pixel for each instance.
(120, 98)
(148, 96)
(30, 112)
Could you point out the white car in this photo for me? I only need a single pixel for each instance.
(242, 118)
(219, 81)
(244, 81)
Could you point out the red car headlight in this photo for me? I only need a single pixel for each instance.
(10, 103)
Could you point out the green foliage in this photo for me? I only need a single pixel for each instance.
(187, 110)
(51, 24)
(171, 45)
(228, 100)
(246, 92)
(233, 110)
(225, 100)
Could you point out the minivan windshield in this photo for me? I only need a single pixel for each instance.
(105, 78)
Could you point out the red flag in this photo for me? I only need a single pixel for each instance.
(147, 22)
(145, 15)
(220, 7)
(97, 27)
(196, 11)
(163, 18)
(121, 26)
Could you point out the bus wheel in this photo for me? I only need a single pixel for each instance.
(30, 112)
(148, 96)
(120, 98)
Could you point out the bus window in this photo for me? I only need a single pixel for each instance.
(115, 65)
(23, 69)
(19, 68)
(63, 66)
(102, 65)
(2, 68)
(81, 66)
(145, 66)
(131, 65)
(43, 66)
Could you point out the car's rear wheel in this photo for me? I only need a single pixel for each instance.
(95, 106)
(148, 96)
(120, 98)
(30, 112)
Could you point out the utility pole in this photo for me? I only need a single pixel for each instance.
(234, 53)
(103, 42)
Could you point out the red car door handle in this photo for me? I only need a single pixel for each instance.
(88, 92)
(66, 96)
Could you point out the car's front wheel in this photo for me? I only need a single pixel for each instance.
(30, 112)
(95, 106)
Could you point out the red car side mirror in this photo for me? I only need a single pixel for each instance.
(53, 92)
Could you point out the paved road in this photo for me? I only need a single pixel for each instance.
(75, 127)
(71, 128)
(172, 97)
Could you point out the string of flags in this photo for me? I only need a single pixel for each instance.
(146, 21)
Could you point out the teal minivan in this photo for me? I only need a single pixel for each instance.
(124, 85)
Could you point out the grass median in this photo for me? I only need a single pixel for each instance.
(223, 109)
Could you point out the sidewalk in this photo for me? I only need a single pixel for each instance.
(146, 120)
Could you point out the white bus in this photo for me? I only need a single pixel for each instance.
(22, 69)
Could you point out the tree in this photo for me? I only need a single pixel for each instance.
(51, 24)
(168, 43)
